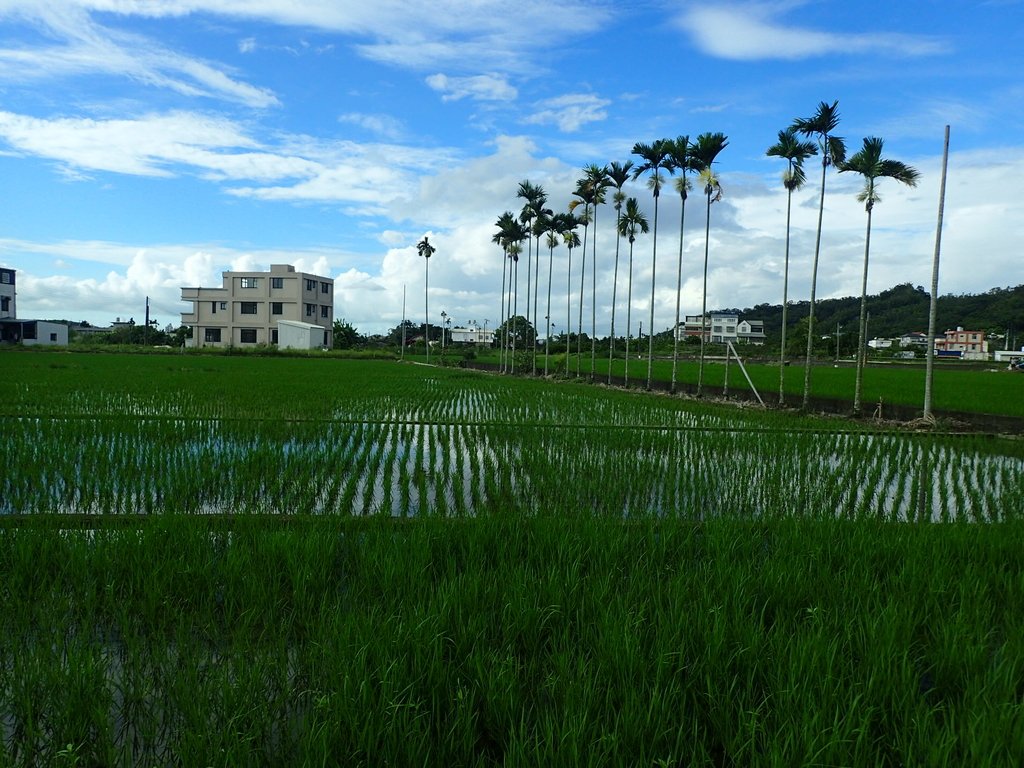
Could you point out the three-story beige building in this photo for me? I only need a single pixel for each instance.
(247, 308)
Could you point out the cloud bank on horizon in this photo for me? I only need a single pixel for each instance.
(152, 145)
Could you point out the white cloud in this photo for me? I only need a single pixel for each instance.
(570, 112)
(381, 125)
(480, 87)
(84, 47)
(749, 31)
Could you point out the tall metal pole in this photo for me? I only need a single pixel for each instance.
(932, 308)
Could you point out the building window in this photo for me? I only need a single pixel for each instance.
(325, 311)
(248, 308)
(277, 282)
(213, 307)
(224, 305)
(6, 277)
(311, 310)
(247, 335)
(5, 303)
(325, 287)
(310, 285)
(250, 282)
(213, 335)
(276, 308)
(29, 331)
(53, 337)
(273, 336)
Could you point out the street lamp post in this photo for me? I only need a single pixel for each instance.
(444, 320)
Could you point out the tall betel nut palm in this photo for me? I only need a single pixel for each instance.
(655, 157)
(533, 209)
(618, 174)
(426, 250)
(585, 195)
(631, 223)
(820, 125)
(685, 163)
(598, 181)
(870, 164)
(704, 153)
(506, 225)
(794, 151)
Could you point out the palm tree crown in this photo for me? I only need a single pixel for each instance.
(794, 151)
(870, 164)
(822, 124)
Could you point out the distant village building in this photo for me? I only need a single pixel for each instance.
(967, 345)
(914, 339)
(14, 330)
(722, 327)
(248, 307)
(471, 334)
(877, 343)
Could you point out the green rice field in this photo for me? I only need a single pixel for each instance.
(282, 561)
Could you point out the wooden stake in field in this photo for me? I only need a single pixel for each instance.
(930, 347)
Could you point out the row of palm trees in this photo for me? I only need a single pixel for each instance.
(657, 160)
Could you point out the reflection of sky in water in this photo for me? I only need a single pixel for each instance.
(695, 468)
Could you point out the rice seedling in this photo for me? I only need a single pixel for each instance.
(474, 570)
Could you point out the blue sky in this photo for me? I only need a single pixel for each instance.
(151, 145)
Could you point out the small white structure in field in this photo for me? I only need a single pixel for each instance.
(292, 334)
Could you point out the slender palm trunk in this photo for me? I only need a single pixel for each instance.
(679, 294)
(615, 283)
(583, 281)
(426, 306)
(568, 310)
(704, 328)
(529, 268)
(547, 332)
(814, 287)
(536, 288)
(861, 341)
(629, 308)
(515, 312)
(501, 355)
(593, 302)
(654, 264)
(785, 305)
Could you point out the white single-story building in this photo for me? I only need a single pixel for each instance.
(293, 334)
(32, 332)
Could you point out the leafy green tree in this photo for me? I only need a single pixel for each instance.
(870, 164)
(822, 124)
(345, 335)
(519, 330)
(794, 152)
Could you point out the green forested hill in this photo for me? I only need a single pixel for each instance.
(903, 309)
